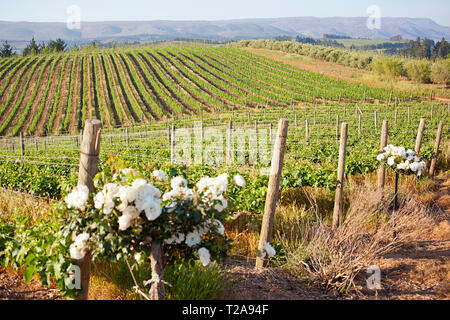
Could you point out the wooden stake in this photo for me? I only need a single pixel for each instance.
(89, 152)
(383, 144)
(337, 212)
(22, 144)
(436, 149)
(273, 188)
(419, 136)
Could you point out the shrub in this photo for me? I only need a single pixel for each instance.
(419, 70)
(440, 72)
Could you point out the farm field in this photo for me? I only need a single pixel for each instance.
(196, 112)
(55, 94)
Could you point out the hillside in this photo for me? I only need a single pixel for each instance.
(408, 28)
(57, 93)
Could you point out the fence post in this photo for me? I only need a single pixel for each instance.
(230, 155)
(431, 116)
(383, 144)
(127, 138)
(172, 145)
(436, 149)
(89, 152)
(409, 114)
(359, 124)
(337, 127)
(22, 145)
(306, 129)
(396, 116)
(419, 136)
(273, 188)
(337, 212)
(376, 121)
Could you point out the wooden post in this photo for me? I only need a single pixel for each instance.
(36, 144)
(396, 116)
(345, 110)
(127, 137)
(306, 129)
(409, 114)
(431, 116)
(419, 136)
(271, 136)
(172, 146)
(337, 127)
(436, 149)
(376, 121)
(22, 144)
(359, 124)
(273, 188)
(230, 155)
(90, 149)
(337, 212)
(383, 144)
(157, 291)
(314, 116)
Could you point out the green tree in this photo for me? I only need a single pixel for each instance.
(440, 72)
(6, 51)
(32, 48)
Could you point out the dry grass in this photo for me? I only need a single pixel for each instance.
(15, 203)
(334, 257)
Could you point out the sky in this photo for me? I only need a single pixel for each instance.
(128, 10)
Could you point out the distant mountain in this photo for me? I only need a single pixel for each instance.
(408, 28)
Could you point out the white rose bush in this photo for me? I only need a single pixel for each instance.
(128, 213)
(402, 161)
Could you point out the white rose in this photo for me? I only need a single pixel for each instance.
(205, 256)
(239, 181)
(193, 238)
(78, 197)
(178, 182)
(269, 249)
(391, 161)
(160, 175)
(381, 157)
(125, 222)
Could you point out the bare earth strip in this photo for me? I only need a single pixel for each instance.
(64, 96)
(49, 99)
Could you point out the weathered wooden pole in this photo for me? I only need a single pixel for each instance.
(22, 144)
(419, 136)
(376, 121)
(396, 116)
(383, 144)
(436, 149)
(409, 114)
(89, 155)
(337, 127)
(172, 145)
(359, 124)
(157, 291)
(273, 188)
(338, 208)
(306, 129)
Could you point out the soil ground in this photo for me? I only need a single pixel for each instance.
(420, 271)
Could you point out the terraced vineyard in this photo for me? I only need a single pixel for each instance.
(55, 94)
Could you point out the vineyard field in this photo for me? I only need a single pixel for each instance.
(55, 94)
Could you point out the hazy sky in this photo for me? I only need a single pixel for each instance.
(107, 10)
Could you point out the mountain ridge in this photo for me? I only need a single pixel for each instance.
(234, 29)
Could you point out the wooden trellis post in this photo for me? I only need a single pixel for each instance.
(337, 127)
(383, 144)
(90, 150)
(419, 136)
(376, 121)
(306, 129)
(172, 145)
(337, 212)
(436, 149)
(22, 144)
(273, 188)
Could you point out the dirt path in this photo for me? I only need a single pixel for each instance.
(421, 271)
(13, 287)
